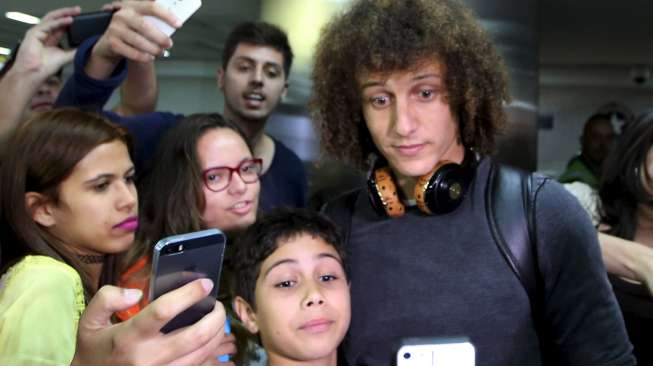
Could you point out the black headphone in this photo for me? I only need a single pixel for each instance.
(438, 192)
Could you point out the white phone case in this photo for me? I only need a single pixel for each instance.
(436, 352)
(182, 9)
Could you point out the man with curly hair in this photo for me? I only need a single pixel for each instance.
(416, 84)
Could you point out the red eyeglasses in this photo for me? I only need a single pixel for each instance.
(218, 178)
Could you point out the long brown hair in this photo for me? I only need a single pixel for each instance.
(622, 188)
(171, 194)
(37, 157)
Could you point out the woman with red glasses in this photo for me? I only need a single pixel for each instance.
(202, 176)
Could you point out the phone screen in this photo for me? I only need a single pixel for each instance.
(178, 260)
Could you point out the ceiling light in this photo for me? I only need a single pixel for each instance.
(22, 17)
(5, 51)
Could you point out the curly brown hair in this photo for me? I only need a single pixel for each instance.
(383, 36)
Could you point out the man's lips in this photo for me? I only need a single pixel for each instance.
(409, 149)
(129, 224)
(254, 99)
(317, 325)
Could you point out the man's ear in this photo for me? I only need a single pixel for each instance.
(219, 77)
(246, 314)
(285, 89)
(40, 209)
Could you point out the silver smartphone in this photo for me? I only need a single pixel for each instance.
(457, 351)
(180, 259)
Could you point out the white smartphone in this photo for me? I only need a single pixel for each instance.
(457, 351)
(182, 9)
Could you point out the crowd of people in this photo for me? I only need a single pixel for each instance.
(410, 91)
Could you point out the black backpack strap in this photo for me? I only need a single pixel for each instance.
(510, 214)
(510, 208)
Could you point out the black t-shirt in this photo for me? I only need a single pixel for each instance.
(285, 183)
(636, 305)
(443, 276)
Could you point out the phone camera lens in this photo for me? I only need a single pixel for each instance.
(407, 355)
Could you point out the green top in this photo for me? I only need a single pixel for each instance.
(578, 171)
(41, 301)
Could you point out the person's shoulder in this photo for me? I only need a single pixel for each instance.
(36, 273)
(286, 162)
(545, 187)
(283, 152)
(559, 210)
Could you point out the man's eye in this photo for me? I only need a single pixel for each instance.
(427, 94)
(379, 101)
(285, 284)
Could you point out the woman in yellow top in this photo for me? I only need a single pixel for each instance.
(68, 204)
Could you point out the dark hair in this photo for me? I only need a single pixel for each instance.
(277, 227)
(387, 36)
(622, 189)
(39, 155)
(593, 119)
(258, 34)
(172, 199)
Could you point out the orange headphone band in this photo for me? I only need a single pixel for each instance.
(387, 192)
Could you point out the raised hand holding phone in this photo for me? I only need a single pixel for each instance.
(182, 9)
(139, 341)
(129, 36)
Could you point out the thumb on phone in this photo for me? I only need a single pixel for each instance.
(106, 301)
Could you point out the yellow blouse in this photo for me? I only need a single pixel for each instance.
(41, 301)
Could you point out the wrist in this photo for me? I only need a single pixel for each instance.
(25, 74)
(644, 264)
(639, 262)
(101, 64)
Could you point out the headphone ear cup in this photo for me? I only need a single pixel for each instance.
(383, 194)
(443, 190)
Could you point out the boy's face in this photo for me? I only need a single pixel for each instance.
(302, 301)
(409, 118)
(253, 82)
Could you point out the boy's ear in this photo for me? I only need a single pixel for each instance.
(40, 209)
(246, 314)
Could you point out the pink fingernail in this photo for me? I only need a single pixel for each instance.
(132, 295)
(207, 284)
